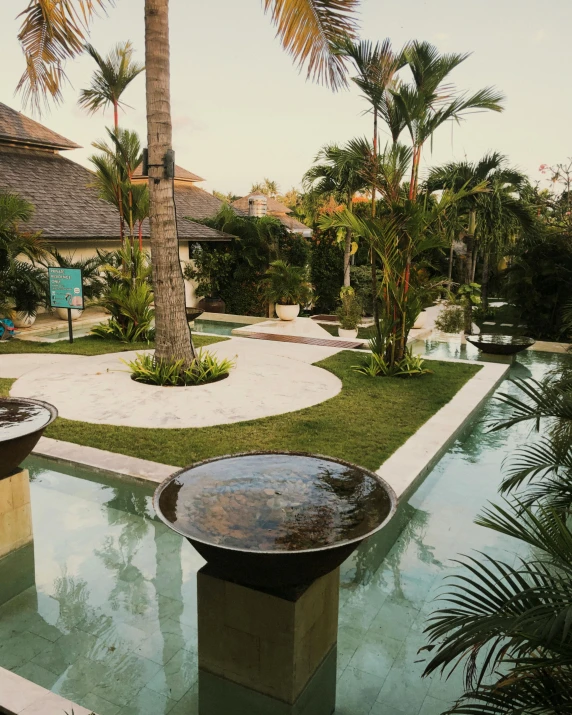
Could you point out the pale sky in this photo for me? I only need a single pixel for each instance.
(241, 111)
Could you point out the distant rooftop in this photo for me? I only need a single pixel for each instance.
(273, 206)
(17, 129)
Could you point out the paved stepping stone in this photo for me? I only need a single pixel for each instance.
(507, 325)
(489, 323)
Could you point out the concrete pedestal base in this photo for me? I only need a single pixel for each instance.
(267, 652)
(16, 548)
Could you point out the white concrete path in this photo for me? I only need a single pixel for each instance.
(269, 379)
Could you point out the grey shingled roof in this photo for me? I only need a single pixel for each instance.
(68, 207)
(180, 174)
(15, 128)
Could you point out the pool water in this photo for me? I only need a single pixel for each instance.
(111, 622)
(218, 327)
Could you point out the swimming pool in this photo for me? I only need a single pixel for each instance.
(111, 622)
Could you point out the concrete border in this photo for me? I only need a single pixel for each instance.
(22, 697)
(406, 468)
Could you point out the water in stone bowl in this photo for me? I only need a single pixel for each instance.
(500, 344)
(275, 519)
(22, 422)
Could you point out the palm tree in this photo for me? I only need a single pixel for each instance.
(113, 75)
(267, 187)
(310, 31)
(493, 217)
(430, 100)
(340, 172)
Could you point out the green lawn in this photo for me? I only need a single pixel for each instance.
(89, 345)
(5, 385)
(365, 423)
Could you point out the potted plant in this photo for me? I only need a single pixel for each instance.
(349, 313)
(287, 287)
(209, 270)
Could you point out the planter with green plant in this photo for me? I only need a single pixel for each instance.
(288, 288)
(451, 319)
(349, 313)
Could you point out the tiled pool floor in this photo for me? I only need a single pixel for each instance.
(111, 623)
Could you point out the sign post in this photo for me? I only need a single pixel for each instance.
(66, 291)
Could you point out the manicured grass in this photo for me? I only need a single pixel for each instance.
(5, 385)
(365, 423)
(89, 345)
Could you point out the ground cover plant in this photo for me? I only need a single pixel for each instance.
(89, 345)
(205, 368)
(349, 426)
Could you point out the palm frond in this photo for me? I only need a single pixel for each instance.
(51, 33)
(310, 31)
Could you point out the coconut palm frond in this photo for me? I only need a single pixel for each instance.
(310, 31)
(51, 33)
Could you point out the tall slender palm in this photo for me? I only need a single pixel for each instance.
(340, 172)
(113, 75)
(376, 66)
(310, 31)
(430, 101)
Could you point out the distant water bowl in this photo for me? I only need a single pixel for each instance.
(22, 422)
(275, 519)
(500, 344)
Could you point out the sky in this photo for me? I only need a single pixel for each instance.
(242, 111)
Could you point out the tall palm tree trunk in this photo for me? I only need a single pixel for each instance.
(348, 247)
(375, 307)
(173, 341)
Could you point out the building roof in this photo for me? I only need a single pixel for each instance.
(273, 206)
(17, 129)
(180, 174)
(67, 205)
(295, 226)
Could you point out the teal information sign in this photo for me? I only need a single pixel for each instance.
(66, 288)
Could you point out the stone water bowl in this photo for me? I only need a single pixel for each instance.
(193, 314)
(274, 519)
(22, 423)
(500, 344)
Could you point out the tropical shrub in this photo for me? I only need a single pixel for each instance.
(360, 278)
(507, 622)
(287, 285)
(127, 295)
(451, 319)
(203, 369)
(295, 249)
(326, 271)
(350, 310)
(28, 289)
(538, 283)
(375, 365)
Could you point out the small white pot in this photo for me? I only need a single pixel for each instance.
(23, 319)
(420, 320)
(287, 312)
(347, 333)
(63, 313)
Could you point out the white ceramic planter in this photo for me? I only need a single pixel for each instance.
(347, 333)
(63, 313)
(23, 319)
(420, 320)
(287, 312)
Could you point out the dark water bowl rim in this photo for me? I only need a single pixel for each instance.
(277, 552)
(514, 339)
(29, 401)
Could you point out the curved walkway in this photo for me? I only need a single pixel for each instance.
(269, 379)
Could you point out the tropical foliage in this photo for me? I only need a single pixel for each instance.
(287, 285)
(350, 310)
(22, 283)
(127, 296)
(205, 368)
(507, 623)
